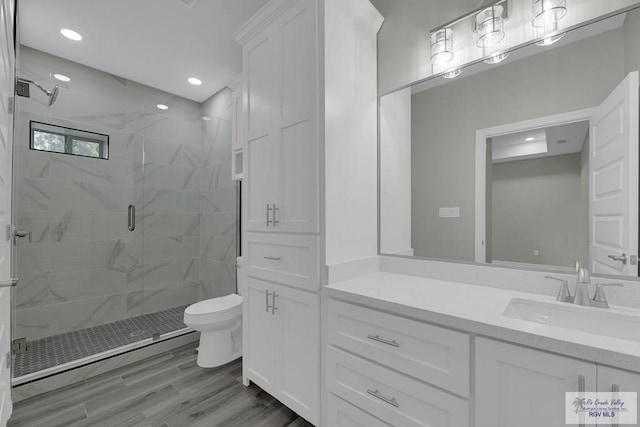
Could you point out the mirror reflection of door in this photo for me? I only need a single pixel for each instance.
(548, 188)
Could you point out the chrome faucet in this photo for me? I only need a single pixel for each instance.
(582, 288)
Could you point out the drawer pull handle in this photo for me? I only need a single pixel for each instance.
(273, 258)
(383, 341)
(375, 393)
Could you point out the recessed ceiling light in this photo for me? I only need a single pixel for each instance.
(194, 81)
(70, 34)
(206, 118)
(61, 77)
(162, 107)
(530, 138)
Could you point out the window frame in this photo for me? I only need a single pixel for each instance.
(69, 135)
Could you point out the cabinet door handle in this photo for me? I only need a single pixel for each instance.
(268, 210)
(581, 389)
(273, 258)
(375, 393)
(273, 303)
(383, 341)
(268, 293)
(274, 209)
(615, 389)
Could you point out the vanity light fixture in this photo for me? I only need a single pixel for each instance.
(194, 81)
(547, 12)
(441, 46)
(162, 107)
(530, 139)
(452, 74)
(61, 77)
(70, 34)
(490, 26)
(497, 58)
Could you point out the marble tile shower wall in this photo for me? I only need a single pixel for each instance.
(84, 267)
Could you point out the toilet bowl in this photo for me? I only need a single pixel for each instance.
(219, 321)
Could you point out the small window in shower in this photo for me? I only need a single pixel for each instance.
(58, 139)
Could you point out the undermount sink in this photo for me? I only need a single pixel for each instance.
(607, 322)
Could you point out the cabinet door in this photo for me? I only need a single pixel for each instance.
(625, 380)
(297, 351)
(259, 330)
(517, 386)
(262, 145)
(295, 121)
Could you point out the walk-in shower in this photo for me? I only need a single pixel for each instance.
(96, 280)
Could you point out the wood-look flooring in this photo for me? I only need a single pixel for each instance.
(165, 390)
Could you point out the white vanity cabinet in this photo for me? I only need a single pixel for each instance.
(282, 353)
(309, 98)
(519, 386)
(402, 371)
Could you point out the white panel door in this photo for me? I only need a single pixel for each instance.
(624, 380)
(7, 66)
(259, 330)
(297, 351)
(517, 386)
(613, 183)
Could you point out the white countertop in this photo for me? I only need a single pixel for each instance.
(478, 311)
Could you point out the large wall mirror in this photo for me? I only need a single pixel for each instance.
(531, 163)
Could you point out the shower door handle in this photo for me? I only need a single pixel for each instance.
(131, 218)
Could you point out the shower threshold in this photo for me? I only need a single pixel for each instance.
(59, 353)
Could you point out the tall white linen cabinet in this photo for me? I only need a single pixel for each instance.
(309, 190)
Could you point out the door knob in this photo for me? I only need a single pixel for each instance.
(622, 258)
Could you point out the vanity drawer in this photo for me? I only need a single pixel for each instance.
(432, 354)
(287, 259)
(390, 396)
(343, 414)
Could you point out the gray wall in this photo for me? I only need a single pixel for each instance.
(445, 119)
(632, 41)
(535, 201)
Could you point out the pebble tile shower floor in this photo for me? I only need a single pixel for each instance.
(58, 349)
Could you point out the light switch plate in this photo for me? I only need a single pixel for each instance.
(449, 212)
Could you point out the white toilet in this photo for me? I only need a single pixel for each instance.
(219, 321)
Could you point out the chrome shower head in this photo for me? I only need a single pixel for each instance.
(53, 94)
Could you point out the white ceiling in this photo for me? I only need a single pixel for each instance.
(159, 43)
